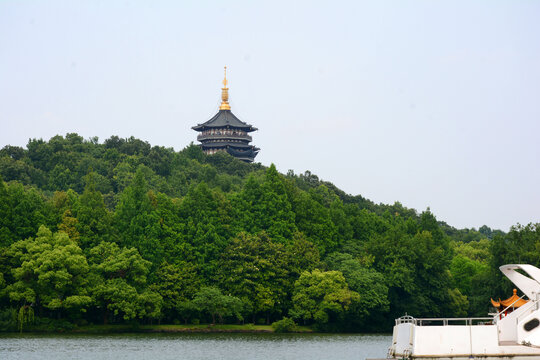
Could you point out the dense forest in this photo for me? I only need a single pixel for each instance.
(124, 232)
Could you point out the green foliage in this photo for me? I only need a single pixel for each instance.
(6, 235)
(463, 270)
(285, 325)
(25, 316)
(368, 283)
(9, 319)
(474, 250)
(44, 324)
(210, 300)
(415, 267)
(177, 284)
(252, 269)
(205, 215)
(140, 233)
(120, 283)
(49, 270)
(266, 207)
(301, 255)
(25, 210)
(322, 297)
(92, 218)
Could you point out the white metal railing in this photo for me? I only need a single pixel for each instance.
(407, 319)
(526, 310)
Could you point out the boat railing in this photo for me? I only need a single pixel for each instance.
(444, 321)
(527, 308)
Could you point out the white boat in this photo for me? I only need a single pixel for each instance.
(505, 335)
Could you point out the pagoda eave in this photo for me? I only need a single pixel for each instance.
(224, 119)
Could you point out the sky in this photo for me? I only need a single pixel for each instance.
(430, 103)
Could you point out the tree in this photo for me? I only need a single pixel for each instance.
(194, 152)
(168, 229)
(210, 300)
(463, 271)
(206, 226)
(300, 255)
(69, 226)
(40, 153)
(322, 297)
(93, 219)
(474, 250)
(14, 152)
(155, 225)
(368, 283)
(416, 268)
(265, 207)
(6, 236)
(120, 283)
(51, 271)
(159, 159)
(176, 284)
(313, 219)
(284, 325)
(29, 210)
(252, 268)
(137, 222)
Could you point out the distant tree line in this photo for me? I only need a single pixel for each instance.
(122, 232)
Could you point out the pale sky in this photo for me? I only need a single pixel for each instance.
(430, 103)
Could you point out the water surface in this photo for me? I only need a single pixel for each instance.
(194, 346)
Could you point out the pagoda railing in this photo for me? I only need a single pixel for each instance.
(202, 137)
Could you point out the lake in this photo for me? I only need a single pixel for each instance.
(194, 346)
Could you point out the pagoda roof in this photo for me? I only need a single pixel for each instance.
(224, 118)
(513, 300)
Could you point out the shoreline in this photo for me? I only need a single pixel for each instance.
(126, 329)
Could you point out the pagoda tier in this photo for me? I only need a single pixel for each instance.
(225, 132)
(222, 120)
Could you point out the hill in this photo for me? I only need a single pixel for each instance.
(123, 231)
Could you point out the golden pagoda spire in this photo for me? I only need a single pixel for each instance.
(225, 94)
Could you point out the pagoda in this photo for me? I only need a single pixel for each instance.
(508, 305)
(225, 132)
